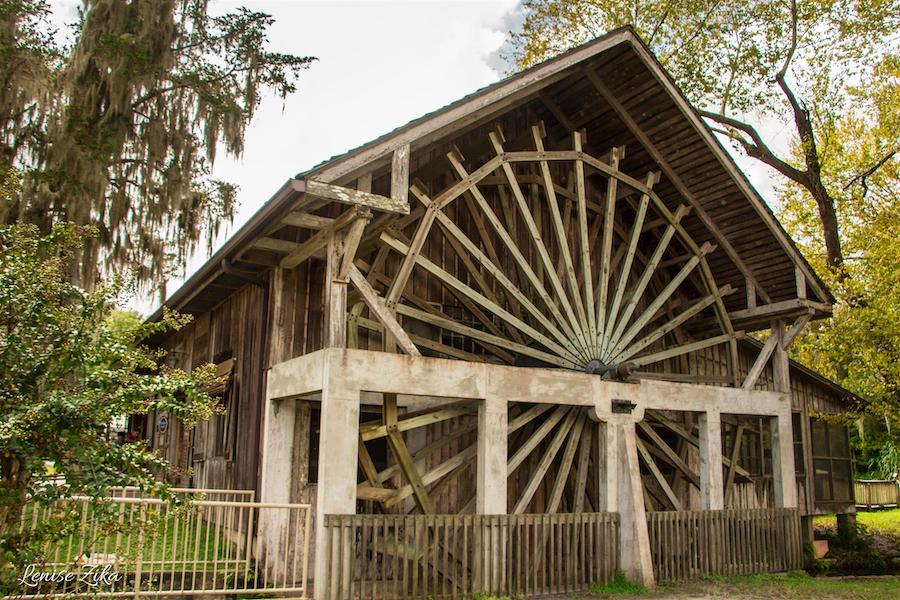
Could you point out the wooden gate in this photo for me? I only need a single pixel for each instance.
(456, 556)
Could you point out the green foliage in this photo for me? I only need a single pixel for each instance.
(119, 127)
(619, 586)
(69, 364)
(860, 346)
(724, 55)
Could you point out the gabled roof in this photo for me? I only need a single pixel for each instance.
(728, 211)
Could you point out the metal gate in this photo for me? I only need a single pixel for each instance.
(153, 548)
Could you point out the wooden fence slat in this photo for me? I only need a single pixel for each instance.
(689, 544)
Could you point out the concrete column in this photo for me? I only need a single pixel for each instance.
(635, 559)
(338, 447)
(492, 457)
(711, 485)
(783, 474)
(608, 467)
(276, 479)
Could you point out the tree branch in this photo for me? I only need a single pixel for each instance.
(758, 149)
(861, 178)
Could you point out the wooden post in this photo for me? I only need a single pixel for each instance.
(335, 295)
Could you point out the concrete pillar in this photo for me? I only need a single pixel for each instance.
(608, 467)
(338, 447)
(784, 479)
(711, 485)
(491, 490)
(635, 559)
(492, 457)
(276, 479)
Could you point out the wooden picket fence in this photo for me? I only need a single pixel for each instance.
(457, 556)
(690, 544)
(877, 493)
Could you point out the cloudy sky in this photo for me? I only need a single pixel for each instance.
(381, 63)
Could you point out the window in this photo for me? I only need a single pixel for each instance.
(833, 474)
(223, 428)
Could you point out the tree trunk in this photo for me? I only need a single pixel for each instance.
(15, 479)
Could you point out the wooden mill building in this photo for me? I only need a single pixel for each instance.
(538, 299)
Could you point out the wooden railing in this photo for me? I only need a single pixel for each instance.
(687, 545)
(456, 556)
(877, 493)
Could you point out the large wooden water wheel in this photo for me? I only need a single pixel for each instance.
(539, 258)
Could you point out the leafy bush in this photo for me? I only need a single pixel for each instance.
(68, 368)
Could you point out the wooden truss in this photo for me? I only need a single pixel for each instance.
(558, 259)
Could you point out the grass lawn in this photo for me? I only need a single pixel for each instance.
(794, 586)
(883, 520)
(185, 539)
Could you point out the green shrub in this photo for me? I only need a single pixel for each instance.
(619, 586)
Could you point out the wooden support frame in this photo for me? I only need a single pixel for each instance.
(344, 195)
(321, 239)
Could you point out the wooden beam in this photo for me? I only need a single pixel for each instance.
(685, 348)
(540, 471)
(795, 330)
(455, 409)
(587, 280)
(671, 456)
(628, 258)
(616, 154)
(637, 291)
(657, 475)
(760, 364)
(345, 195)
(565, 466)
(670, 325)
(536, 438)
(275, 245)
(660, 299)
(400, 175)
(335, 292)
(561, 238)
(581, 473)
(306, 221)
(381, 311)
(318, 241)
(401, 453)
(458, 461)
(349, 246)
(735, 454)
